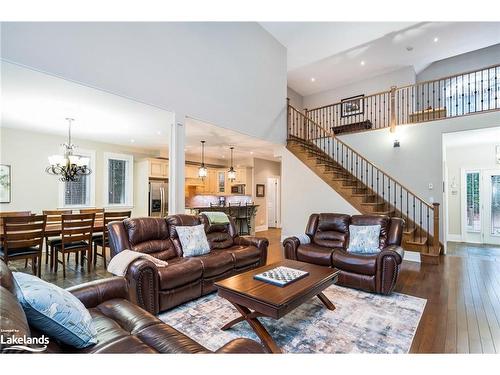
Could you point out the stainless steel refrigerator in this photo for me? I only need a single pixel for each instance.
(158, 198)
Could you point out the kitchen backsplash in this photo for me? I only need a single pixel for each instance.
(205, 200)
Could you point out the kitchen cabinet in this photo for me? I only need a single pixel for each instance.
(158, 168)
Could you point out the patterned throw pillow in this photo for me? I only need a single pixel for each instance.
(55, 311)
(193, 240)
(364, 239)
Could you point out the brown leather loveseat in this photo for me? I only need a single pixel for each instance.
(122, 327)
(184, 278)
(328, 234)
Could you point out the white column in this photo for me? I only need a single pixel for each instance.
(176, 195)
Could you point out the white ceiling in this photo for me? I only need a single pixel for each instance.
(39, 102)
(332, 52)
(218, 140)
(472, 137)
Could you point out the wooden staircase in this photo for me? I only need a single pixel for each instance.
(363, 185)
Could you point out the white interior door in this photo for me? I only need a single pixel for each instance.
(491, 208)
(273, 209)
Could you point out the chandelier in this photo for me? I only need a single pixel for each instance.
(231, 173)
(68, 166)
(202, 171)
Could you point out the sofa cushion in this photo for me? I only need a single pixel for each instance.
(54, 311)
(151, 236)
(363, 264)
(216, 263)
(180, 271)
(244, 255)
(332, 230)
(364, 239)
(173, 222)
(382, 220)
(312, 253)
(193, 240)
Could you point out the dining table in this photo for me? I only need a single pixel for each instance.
(55, 229)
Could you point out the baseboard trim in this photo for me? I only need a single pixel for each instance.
(454, 238)
(261, 228)
(412, 256)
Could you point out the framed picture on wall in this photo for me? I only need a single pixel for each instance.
(260, 190)
(5, 183)
(352, 106)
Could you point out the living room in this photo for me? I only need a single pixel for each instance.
(222, 200)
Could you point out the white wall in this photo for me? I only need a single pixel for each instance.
(32, 188)
(419, 160)
(229, 74)
(479, 156)
(401, 77)
(461, 63)
(296, 100)
(304, 193)
(262, 169)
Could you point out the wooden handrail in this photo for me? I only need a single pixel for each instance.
(331, 134)
(339, 103)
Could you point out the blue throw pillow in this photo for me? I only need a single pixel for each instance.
(364, 239)
(193, 240)
(55, 311)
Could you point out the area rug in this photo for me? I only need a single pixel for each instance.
(361, 323)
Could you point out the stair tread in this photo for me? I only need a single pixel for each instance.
(417, 240)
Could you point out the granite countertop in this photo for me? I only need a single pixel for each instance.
(227, 206)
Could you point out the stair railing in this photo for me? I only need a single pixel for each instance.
(366, 179)
(453, 96)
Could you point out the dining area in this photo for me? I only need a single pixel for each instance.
(57, 237)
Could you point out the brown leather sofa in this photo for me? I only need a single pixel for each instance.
(329, 239)
(161, 288)
(122, 327)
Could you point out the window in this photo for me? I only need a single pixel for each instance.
(118, 179)
(473, 213)
(79, 193)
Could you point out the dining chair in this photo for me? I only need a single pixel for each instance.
(102, 239)
(23, 239)
(54, 217)
(15, 214)
(76, 237)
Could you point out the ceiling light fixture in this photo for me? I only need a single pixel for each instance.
(70, 167)
(313, 79)
(132, 141)
(436, 39)
(362, 63)
(202, 171)
(231, 173)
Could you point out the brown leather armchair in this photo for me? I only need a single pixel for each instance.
(122, 327)
(185, 278)
(328, 235)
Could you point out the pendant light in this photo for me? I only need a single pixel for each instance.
(231, 173)
(68, 166)
(202, 171)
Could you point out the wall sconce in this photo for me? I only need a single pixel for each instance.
(497, 148)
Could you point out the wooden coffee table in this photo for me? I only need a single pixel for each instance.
(253, 298)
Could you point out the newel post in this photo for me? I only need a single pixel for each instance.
(435, 243)
(393, 109)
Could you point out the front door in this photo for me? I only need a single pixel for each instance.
(491, 194)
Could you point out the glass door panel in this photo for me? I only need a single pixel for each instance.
(491, 230)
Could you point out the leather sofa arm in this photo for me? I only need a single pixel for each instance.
(241, 346)
(259, 242)
(143, 280)
(388, 262)
(392, 250)
(96, 292)
(290, 245)
(118, 237)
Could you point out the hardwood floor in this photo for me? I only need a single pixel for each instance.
(462, 314)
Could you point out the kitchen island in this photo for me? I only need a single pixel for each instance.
(238, 213)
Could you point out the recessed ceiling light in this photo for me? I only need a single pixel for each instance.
(132, 141)
(158, 132)
(362, 63)
(251, 152)
(436, 39)
(313, 79)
